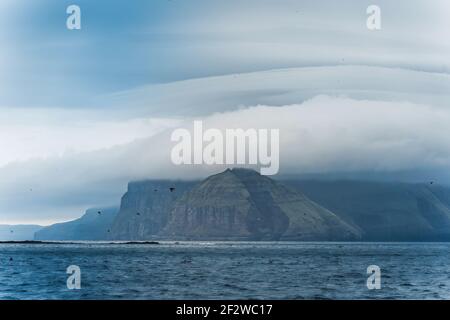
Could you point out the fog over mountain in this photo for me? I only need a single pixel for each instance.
(354, 136)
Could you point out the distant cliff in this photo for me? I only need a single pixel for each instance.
(95, 224)
(236, 204)
(241, 204)
(386, 211)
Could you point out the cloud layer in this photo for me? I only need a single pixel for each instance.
(324, 134)
(167, 41)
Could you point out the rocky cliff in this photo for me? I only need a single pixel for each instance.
(240, 204)
(145, 208)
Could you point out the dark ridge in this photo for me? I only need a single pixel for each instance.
(75, 242)
(136, 242)
(35, 242)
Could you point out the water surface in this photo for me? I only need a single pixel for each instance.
(225, 270)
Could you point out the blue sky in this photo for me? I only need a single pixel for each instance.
(98, 104)
(53, 64)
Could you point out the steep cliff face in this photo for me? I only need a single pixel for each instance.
(241, 204)
(93, 225)
(145, 207)
(217, 208)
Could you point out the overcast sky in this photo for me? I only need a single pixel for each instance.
(83, 112)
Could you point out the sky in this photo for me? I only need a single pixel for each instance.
(82, 112)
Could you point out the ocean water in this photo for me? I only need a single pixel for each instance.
(225, 270)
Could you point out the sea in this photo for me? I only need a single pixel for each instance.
(225, 270)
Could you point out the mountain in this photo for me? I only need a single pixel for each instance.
(386, 211)
(95, 224)
(237, 204)
(18, 232)
(145, 207)
(240, 204)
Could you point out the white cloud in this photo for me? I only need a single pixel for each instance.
(414, 34)
(321, 135)
(43, 133)
(281, 87)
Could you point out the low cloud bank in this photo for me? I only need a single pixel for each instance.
(323, 134)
